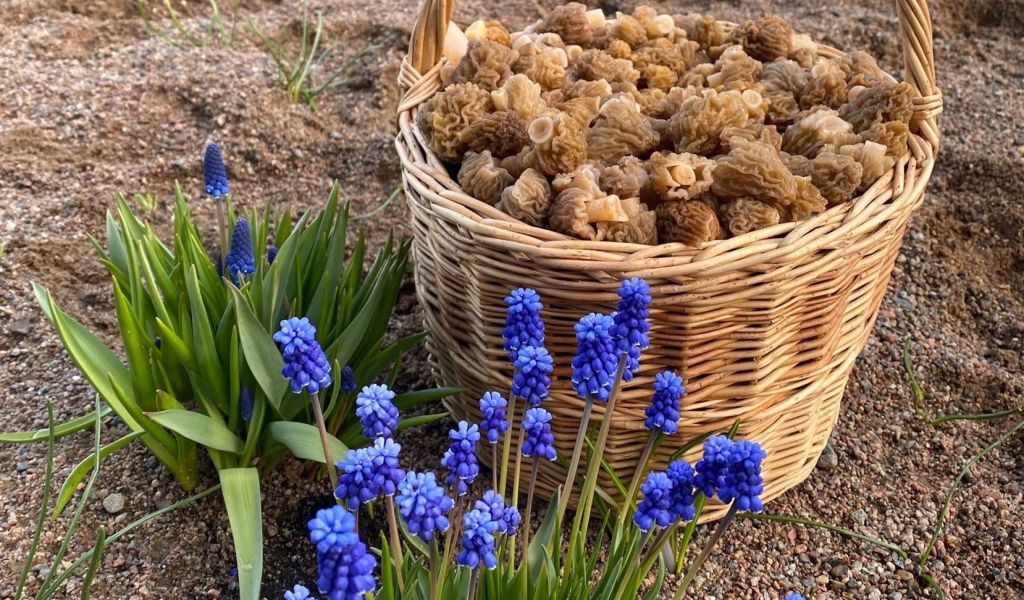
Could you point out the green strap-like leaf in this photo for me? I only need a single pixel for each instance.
(41, 435)
(241, 491)
(303, 440)
(199, 428)
(260, 351)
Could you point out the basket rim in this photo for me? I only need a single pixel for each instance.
(897, 192)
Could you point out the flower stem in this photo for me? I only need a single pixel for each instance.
(519, 457)
(574, 463)
(222, 232)
(706, 552)
(332, 470)
(506, 446)
(452, 538)
(641, 466)
(474, 581)
(683, 544)
(594, 463)
(529, 504)
(494, 469)
(396, 542)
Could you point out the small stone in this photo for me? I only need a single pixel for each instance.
(21, 326)
(21, 467)
(828, 460)
(839, 571)
(113, 503)
(904, 575)
(859, 516)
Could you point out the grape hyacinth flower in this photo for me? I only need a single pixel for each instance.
(495, 422)
(245, 404)
(299, 592)
(507, 517)
(656, 508)
(271, 254)
(594, 365)
(305, 365)
(368, 473)
(460, 459)
(240, 262)
(532, 379)
(732, 471)
(663, 413)
(539, 440)
(630, 330)
(344, 566)
(794, 596)
(215, 176)
(423, 505)
(680, 473)
(376, 411)
(478, 529)
(347, 380)
(523, 325)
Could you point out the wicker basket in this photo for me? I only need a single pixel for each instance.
(764, 327)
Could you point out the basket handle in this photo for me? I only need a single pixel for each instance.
(427, 47)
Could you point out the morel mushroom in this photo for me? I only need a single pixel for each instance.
(545, 66)
(765, 39)
(589, 89)
(519, 94)
(679, 56)
(783, 81)
(502, 132)
(584, 177)
(583, 110)
(816, 128)
(688, 221)
(744, 215)
(837, 176)
(559, 143)
(891, 134)
(640, 228)
(807, 201)
(734, 70)
(872, 157)
(528, 199)
(703, 29)
(492, 31)
(887, 102)
(679, 176)
(625, 179)
(628, 29)
(595, 65)
(481, 177)
(827, 86)
(861, 69)
(575, 212)
(768, 134)
(620, 130)
(443, 118)
(486, 64)
(698, 124)
(754, 169)
(570, 22)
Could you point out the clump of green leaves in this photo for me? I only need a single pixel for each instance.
(199, 349)
(297, 74)
(217, 28)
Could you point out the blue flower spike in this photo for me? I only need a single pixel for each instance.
(460, 458)
(631, 326)
(539, 442)
(423, 505)
(240, 262)
(532, 379)
(478, 530)
(731, 471)
(369, 473)
(523, 324)
(344, 566)
(596, 360)
(656, 507)
(495, 421)
(215, 176)
(663, 413)
(305, 365)
(376, 411)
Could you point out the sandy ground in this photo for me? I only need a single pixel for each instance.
(92, 103)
